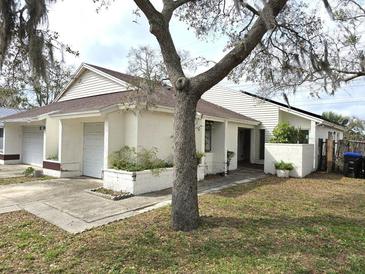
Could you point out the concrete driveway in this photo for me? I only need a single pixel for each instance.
(67, 204)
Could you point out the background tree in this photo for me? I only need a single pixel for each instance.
(22, 90)
(11, 98)
(335, 118)
(279, 43)
(29, 72)
(355, 127)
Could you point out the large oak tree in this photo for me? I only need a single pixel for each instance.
(279, 43)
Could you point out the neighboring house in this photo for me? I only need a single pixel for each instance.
(96, 115)
(270, 113)
(3, 113)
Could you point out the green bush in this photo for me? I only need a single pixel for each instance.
(53, 157)
(285, 133)
(199, 156)
(29, 172)
(128, 159)
(284, 166)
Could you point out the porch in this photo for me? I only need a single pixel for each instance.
(215, 137)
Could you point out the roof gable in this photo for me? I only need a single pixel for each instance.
(90, 81)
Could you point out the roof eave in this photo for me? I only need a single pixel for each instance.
(222, 119)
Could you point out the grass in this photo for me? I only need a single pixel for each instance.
(22, 179)
(276, 225)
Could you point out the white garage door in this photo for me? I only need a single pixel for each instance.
(93, 149)
(32, 146)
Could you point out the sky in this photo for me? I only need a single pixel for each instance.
(104, 38)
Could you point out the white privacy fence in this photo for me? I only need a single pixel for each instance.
(300, 155)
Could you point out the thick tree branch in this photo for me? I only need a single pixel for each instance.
(148, 9)
(251, 9)
(169, 6)
(239, 53)
(159, 27)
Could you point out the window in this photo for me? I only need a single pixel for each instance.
(303, 136)
(262, 144)
(208, 137)
(1, 132)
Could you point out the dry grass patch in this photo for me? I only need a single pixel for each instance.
(22, 180)
(274, 225)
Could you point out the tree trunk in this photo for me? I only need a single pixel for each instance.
(185, 211)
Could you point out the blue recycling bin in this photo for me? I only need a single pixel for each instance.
(353, 164)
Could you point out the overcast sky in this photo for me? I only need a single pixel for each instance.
(105, 38)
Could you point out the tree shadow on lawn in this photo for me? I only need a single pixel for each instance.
(324, 176)
(242, 189)
(209, 222)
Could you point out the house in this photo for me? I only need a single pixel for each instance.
(270, 113)
(3, 113)
(102, 110)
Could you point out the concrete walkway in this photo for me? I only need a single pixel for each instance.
(67, 204)
(12, 171)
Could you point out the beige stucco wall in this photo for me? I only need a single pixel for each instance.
(115, 131)
(155, 129)
(51, 137)
(13, 134)
(130, 128)
(72, 142)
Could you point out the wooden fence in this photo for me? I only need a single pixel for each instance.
(331, 153)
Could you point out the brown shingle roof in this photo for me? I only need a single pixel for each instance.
(161, 97)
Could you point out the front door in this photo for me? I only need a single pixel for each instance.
(244, 144)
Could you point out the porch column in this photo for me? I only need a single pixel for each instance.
(313, 139)
(202, 138)
(225, 145)
(106, 144)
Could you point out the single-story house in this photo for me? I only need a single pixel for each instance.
(3, 113)
(102, 110)
(270, 113)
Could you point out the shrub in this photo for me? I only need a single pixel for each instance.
(284, 166)
(146, 159)
(53, 157)
(199, 157)
(284, 133)
(29, 172)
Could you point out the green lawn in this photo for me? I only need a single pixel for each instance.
(299, 225)
(23, 179)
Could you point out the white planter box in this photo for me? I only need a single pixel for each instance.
(282, 173)
(142, 181)
(137, 182)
